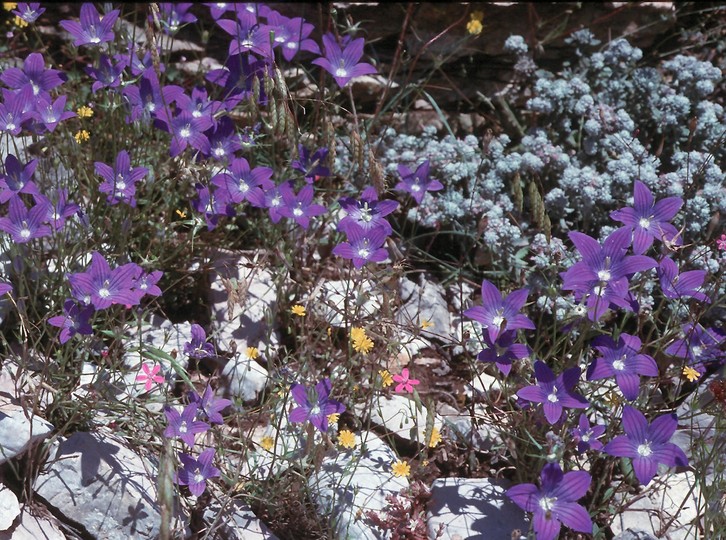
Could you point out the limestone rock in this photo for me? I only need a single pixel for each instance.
(243, 377)
(19, 429)
(9, 508)
(425, 308)
(475, 509)
(33, 525)
(235, 521)
(400, 416)
(359, 299)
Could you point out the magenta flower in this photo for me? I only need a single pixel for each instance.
(311, 165)
(120, 181)
(186, 130)
(149, 375)
(75, 321)
(92, 29)
(343, 64)
(184, 425)
(196, 472)
(676, 286)
(104, 287)
(721, 242)
(315, 410)
(417, 183)
(59, 211)
(586, 436)
(623, 361)
(107, 74)
(498, 315)
(555, 502)
(554, 393)
(405, 384)
(647, 445)
(648, 220)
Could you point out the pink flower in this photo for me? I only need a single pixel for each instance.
(721, 242)
(149, 376)
(404, 383)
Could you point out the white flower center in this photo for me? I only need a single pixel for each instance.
(95, 39)
(297, 212)
(552, 397)
(586, 437)
(497, 321)
(120, 186)
(644, 222)
(183, 427)
(104, 292)
(197, 113)
(10, 126)
(644, 449)
(545, 503)
(697, 350)
(619, 364)
(244, 188)
(275, 201)
(604, 275)
(315, 410)
(291, 45)
(416, 187)
(185, 132)
(364, 253)
(198, 477)
(219, 151)
(341, 72)
(25, 233)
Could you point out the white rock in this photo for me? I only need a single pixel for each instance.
(634, 534)
(474, 509)
(243, 377)
(19, 430)
(671, 497)
(358, 299)
(158, 333)
(399, 415)
(483, 384)
(9, 508)
(460, 427)
(349, 484)
(102, 485)
(33, 526)
(425, 302)
(243, 296)
(236, 521)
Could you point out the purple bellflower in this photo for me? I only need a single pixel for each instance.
(92, 29)
(15, 110)
(103, 287)
(223, 140)
(299, 207)
(248, 35)
(75, 321)
(198, 347)
(676, 286)
(184, 425)
(17, 179)
(199, 105)
(555, 502)
(33, 76)
(291, 35)
(498, 315)
(343, 64)
(210, 407)
(236, 79)
(316, 410)
(218, 9)
(107, 74)
(623, 361)
(367, 211)
(363, 245)
(273, 203)
(120, 181)
(173, 15)
(243, 183)
(196, 472)
(311, 165)
(586, 435)
(602, 274)
(147, 98)
(700, 346)
(647, 445)
(29, 11)
(60, 211)
(554, 393)
(24, 225)
(417, 183)
(649, 220)
(5, 288)
(212, 205)
(49, 114)
(503, 352)
(146, 284)
(186, 130)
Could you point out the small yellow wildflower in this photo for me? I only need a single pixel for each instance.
(435, 438)
(361, 342)
(426, 324)
(401, 468)
(333, 418)
(386, 378)
(82, 136)
(20, 22)
(252, 353)
(298, 310)
(357, 333)
(84, 111)
(425, 463)
(474, 27)
(9, 6)
(346, 439)
(691, 374)
(179, 213)
(267, 442)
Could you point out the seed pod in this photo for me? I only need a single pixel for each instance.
(517, 193)
(256, 89)
(376, 171)
(268, 84)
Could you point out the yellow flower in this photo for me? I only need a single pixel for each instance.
(20, 22)
(425, 463)
(435, 438)
(298, 310)
(612, 399)
(691, 374)
(252, 353)
(401, 468)
(474, 27)
(386, 378)
(267, 442)
(361, 342)
(9, 6)
(333, 418)
(346, 439)
(82, 136)
(84, 112)
(426, 324)
(179, 213)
